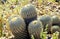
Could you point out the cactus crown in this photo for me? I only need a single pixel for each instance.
(45, 19)
(55, 19)
(28, 11)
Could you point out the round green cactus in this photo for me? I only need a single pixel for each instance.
(46, 20)
(35, 28)
(56, 20)
(18, 27)
(55, 28)
(28, 12)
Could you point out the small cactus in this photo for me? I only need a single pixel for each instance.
(3, 1)
(35, 28)
(55, 20)
(46, 20)
(56, 28)
(17, 26)
(28, 12)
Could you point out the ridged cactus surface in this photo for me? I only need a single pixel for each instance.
(46, 20)
(56, 28)
(56, 20)
(28, 12)
(35, 28)
(17, 26)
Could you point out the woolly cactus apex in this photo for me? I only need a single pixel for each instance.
(46, 19)
(35, 28)
(17, 26)
(55, 20)
(56, 28)
(28, 12)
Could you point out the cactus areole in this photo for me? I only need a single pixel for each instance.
(28, 12)
(35, 28)
(17, 26)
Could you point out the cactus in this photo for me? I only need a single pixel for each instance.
(45, 19)
(35, 28)
(17, 26)
(57, 0)
(3, 1)
(56, 20)
(28, 12)
(56, 28)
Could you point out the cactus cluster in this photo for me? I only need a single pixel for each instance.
(56, 25)
(35, 28)
(20, 26)
(17, 26)
(28, 12)
(28, 24)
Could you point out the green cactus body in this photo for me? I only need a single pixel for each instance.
(45, 19)
(17, 26)
(3, 1)
(35, 28)
(56, 28)
(28, 12)
(56, 20)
